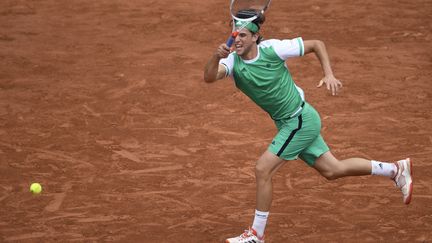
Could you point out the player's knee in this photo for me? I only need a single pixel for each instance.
(334, 172)
(330, 175)
(262, 173)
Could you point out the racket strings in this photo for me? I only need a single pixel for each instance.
(255, 6)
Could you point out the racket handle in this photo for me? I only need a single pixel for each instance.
(231, 39)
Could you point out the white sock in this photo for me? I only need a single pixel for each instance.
(260, 222)
(383, 168)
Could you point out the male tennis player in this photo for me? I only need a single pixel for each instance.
(258, 69)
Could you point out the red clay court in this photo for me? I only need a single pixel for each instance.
(103, 103)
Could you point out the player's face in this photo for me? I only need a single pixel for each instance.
(244, 42)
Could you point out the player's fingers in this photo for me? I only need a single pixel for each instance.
(320, 83)
(334, 89)
(225, 47)
(219, 53)
(222, 52)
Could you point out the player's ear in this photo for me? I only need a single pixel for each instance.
(255, 36)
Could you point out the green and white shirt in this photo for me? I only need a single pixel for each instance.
(266, 78)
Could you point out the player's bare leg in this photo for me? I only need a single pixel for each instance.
(266, 166)
(332, 168)
(400, 172)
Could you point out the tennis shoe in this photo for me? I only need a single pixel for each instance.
(403, 179)
(249, 236)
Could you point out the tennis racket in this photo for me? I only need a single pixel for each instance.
(245, 11)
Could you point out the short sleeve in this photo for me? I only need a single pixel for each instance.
(288, 48)
(229, 64)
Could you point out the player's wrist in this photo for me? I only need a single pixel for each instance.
(329, 75)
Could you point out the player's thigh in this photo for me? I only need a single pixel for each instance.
(315, 151)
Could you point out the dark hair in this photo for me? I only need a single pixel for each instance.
(249, 13)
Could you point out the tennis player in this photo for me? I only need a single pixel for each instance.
(259, 70)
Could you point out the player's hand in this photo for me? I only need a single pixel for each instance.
(223, 51)
(332, 84)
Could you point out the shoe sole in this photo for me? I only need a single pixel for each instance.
(408, 199)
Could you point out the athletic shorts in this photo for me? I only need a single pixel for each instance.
(299, 137)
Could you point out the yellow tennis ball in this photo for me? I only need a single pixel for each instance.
(35, 188)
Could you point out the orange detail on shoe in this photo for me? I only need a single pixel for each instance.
(256, 234)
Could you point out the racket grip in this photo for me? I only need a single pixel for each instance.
(231, 39)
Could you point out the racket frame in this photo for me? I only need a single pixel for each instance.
(236, 30)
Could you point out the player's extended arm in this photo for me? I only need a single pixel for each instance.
(213, 70)
(318, 47)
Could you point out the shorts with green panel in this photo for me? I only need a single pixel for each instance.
(299, 137)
